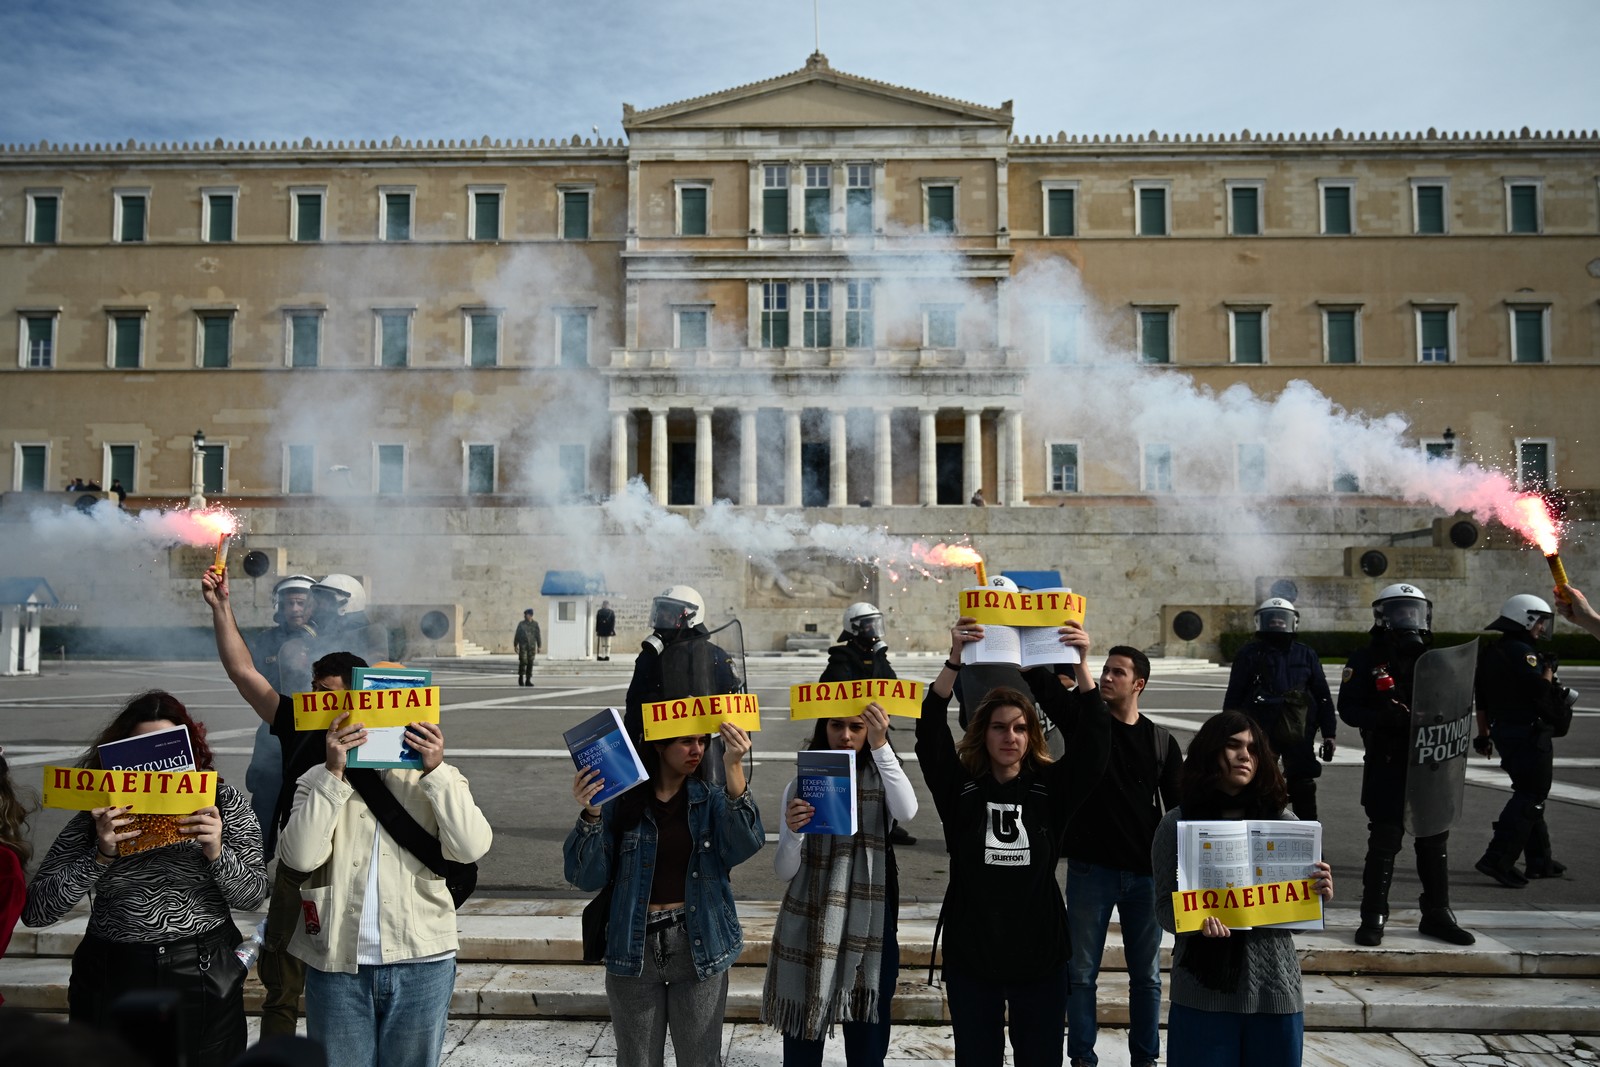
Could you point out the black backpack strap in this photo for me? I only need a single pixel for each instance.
(400, 823)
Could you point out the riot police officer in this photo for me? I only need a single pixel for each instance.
(1279, 682)
(1519, 701)
(292, 616)
(1375, 696)
(861, 651)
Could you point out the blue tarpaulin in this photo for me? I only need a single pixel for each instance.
(573, 583)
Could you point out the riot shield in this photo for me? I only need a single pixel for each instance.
(706, 664)
(1442, 728)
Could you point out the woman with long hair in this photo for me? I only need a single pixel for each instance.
(1004, 804)
(161, 918)
(666, 847)
(835, 950)
(1236, 997)
(15, 851)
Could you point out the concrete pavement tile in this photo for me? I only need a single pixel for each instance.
(1404, 951)
(520, 937)
(753, 1045)
(455, 1031)
(1439, 1043)
(533, 1042)
(1329, 1006)
(530, 991)
(35, 984)
(1357, 1050)
(1545, 1004)
(1554, 951)
(470, 979)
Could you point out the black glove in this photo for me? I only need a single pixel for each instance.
(1483, 745)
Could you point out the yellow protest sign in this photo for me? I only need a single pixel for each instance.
(1251, 905)
(700, 715)
(370, 707)
(842, 700)
(147, 792)
(1000, 607)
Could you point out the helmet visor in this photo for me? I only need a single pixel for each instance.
(669, 614)
(1405, 614)
(1275, 621)
(868, 627)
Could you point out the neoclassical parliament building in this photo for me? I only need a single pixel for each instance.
(818, 292)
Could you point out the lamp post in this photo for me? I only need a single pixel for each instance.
(197, 472)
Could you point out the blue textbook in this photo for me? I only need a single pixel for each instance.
(826, 779)
(600, 741)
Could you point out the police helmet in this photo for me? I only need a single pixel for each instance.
(1403, 607)
(347, 594)
(864, 622)
(1522, 612)
(1277, 616)
(677, 608)
(294, 583)
(1000, 581)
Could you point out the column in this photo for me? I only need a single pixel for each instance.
(791, 458)
(972, 453)
(619, 452)
(838, 460)
(633, 204)
(747, 458)
(1016, 495)
(658, 454)
(883, 455)
(1002, 313)
(928, 476)
(702, 457)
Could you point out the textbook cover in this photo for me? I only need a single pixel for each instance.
(159, 750)
(826, 779)
(385, 746)
(600, 741)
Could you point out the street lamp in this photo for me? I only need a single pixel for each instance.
(197, 472)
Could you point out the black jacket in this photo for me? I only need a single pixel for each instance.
(1265, 670)
(847, 663)
(1511, 687)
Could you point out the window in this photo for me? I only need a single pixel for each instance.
(1337, 207)
(1247, 335)
(817, 322)
(1341, 336)
(575, 214)
(858, 329)
(1428, 213)
(305, 215)
(484, 208)
(126, 340)
(693, 327)
(939, 326)
(1244, 208)
(1533, 465)
(44, 217)
(1529, 336)
(1064, 324)
(574, 340)
(216, 215)
(1435, 330)
(774, 314)
(305, 338)
(1251, 469)
(120, 464)
(1063, 467)
(394, 338)
(483, 338)
(38, 340)
(299, 469)
(32, 466)
(775, 199)
(216, 338)
(858, 198)
(1523, 213)
(1346, 482)
(574, 463)
(819, 198)
(694, 210)
(939, 208)
(1155, 336)
(1439, 447)
(1060, 209)
(1157, 469)
(390, 469)
(480, 468)
(213, 468)
(129, 211)
(395, 214)
(1152, 208)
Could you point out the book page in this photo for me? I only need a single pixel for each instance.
(1000, 644)
(1282, 851)
(1041, 645)
(1213, 855)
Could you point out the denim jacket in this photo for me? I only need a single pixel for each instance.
(725, 834)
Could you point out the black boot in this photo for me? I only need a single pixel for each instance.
(1303, 798)
(1383, 842)
(1540, 864)
(1499, 861)
(1433, 868)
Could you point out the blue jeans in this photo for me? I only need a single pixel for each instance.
(391, 1015)
(1092, 891)
(1198, 1038)
(1038, 1010)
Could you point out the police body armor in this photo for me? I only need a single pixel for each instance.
(1442, 728)
(708, 664)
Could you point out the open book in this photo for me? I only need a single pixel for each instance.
(1025, 646)
(1218, 861)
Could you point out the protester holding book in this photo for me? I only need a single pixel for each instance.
(1235, 994)
(1004, 804)
(664, 851)
(159, 918)
(835, 951)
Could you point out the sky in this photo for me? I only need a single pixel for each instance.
(182, 70)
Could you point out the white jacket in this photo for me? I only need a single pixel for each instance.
(330, 834)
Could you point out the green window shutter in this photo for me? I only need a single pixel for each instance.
(211, 468)
(122, 465)
(125, 349)
(819, 205)
(397, 216)
(1246, 212)
(692, 208)
(941, 209)
(1524, 209)
(575, 340)
(215, 334)
(1341, 336)
(858, 211)
(575, 217)
(485, 330)
(133, 221)
(774, 211)
(393, 345)
(1061, 221)
(391, 469)
(480, 468)
(46, 220)
(221, 230)
(1155, 335)
(1153, 212)
(775, 329)
(301, 469)
(308, 216)
(1336, 209)
(1430, 209)
(1435, 336)
(304, 331)
(1247, 347)
(33, 459)
(1529, 339)
(486, 216)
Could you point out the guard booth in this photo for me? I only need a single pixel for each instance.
(21, 601)
(573, 596)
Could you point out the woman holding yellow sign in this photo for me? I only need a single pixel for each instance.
(160, 918)
(1236, 996)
